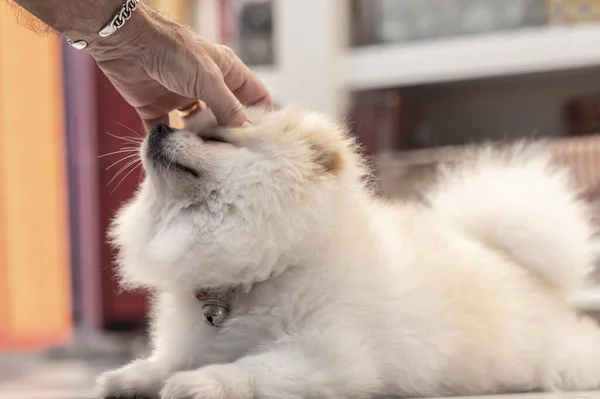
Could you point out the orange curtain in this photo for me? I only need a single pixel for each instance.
(35, 294)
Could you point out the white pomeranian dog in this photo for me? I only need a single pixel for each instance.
(277, 273)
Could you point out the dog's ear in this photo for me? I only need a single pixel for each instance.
(326, 141)
(328, 157)
(326, 149)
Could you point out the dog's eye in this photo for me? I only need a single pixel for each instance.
(215, 139)
(185, 169)
(211, 137)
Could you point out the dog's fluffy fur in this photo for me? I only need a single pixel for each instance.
(340, 294)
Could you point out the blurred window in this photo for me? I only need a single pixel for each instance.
(396, 21)
(248, 29)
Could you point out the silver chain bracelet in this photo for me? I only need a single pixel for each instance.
(124, 13)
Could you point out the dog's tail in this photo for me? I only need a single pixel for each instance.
(519, 203)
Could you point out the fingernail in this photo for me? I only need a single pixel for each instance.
(247, 124)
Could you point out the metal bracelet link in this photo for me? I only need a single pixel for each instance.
(124, 13)
(119, 19)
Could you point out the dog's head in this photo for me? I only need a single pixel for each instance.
(235, 205)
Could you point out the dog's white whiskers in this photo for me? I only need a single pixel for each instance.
(129, 139)
(128, 157)
(121, 151)
(136, 133)
(122, 170)
(125, 177)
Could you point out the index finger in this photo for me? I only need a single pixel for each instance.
(242, 82)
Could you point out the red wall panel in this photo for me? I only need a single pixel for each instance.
(115, 117)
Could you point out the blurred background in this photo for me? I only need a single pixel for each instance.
(417, 80)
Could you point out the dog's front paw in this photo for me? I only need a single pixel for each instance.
(210, 382)
(138, 379)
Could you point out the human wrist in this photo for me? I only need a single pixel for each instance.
(74, 19)
(124, 38)
(85, 24)
(147, 32)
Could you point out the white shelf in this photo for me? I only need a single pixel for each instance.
(498, 54)
(269, 75)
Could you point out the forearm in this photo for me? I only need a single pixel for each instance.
(83, 19)
(72, 16)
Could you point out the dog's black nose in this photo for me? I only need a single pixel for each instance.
(161, 130)
(156, 140)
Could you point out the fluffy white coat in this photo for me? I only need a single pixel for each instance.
(341, 294)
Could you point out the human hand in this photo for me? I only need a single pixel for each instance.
(159, 66)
